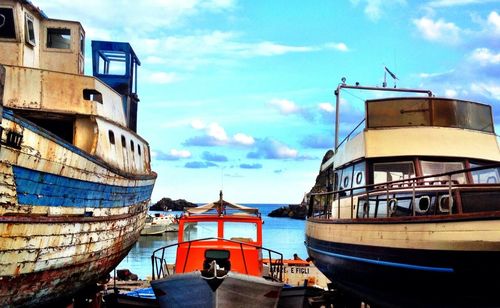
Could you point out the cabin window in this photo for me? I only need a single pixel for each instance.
(112, 63)
(111, 136)
(241, 232)
(7, 26)
(139, 149)
(131, 145)
(59, 38)
(393, 113)
(124, 142)
(346, 180)
(82, 43)
(434, 167)
(30, 30)
(485, 176)
(92, 95)
(393, 171)
(198, 230)
(358, 179)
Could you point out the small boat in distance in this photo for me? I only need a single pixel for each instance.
(406, 210)
(219, 261)
(75, 177)
(158, 224)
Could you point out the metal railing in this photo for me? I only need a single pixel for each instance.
(160, 265)
(414, 185)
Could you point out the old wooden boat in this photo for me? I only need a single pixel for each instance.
(219, 261)
(75, 177)
(406, 210)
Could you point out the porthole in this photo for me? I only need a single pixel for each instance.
(111, 136)
(359, 177)
(346, 182)
(131, 145)
(139, 149)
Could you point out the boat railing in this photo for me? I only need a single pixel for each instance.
(444, 184)
(161, 269)
(346, 138)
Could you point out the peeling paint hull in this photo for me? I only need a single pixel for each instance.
(66, 217)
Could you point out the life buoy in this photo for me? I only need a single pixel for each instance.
(423, 204)
(443, 201)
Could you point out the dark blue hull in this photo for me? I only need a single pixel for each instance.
(394, 277)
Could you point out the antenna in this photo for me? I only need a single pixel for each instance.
(392, 75)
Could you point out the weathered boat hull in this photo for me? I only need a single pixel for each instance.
(66, 218)
(236, 290)
(437, 270)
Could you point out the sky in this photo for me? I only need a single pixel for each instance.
(238, 95)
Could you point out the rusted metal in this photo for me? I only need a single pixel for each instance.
(70, 207)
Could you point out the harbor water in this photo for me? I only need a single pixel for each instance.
(285, 235)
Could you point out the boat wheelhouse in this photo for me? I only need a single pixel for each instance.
(220, 255)
(75, 177)
(405, 210)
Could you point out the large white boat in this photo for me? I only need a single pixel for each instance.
(75, 177)
(406, 209)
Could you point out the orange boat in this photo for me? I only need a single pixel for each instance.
(219, 261)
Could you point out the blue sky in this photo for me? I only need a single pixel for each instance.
(239, 94)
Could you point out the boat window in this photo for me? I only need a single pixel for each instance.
(131, 145)
(390, 113)
(124, 142)
(30, 30)
(485, 176)
(111, 136)
(59, 38)
(435, 167)
(241, 232)
(92, 95)
(359, 177)
(7, 26)
(453, 113)
(139, 149)
(82, 43)
(346, 180)
(393, 171)
(429, 112)
(199, 230)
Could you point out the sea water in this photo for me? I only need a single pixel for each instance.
(284, 235)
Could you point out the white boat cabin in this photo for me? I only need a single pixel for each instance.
(44, 83)
(408, 161)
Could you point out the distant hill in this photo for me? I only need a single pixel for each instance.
(297, 211)
(166, 204)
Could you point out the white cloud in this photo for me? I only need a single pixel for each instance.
(243, 139)
(484, 56)
(216, 131)
(438, 31)
(180, 153)
(450, 93)
(326, 107)
(486, 89)
(273, 49)
(162, 77)
(375, 8)
(285, 106)
(449, 3)
(494, 22)
(338, 46)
